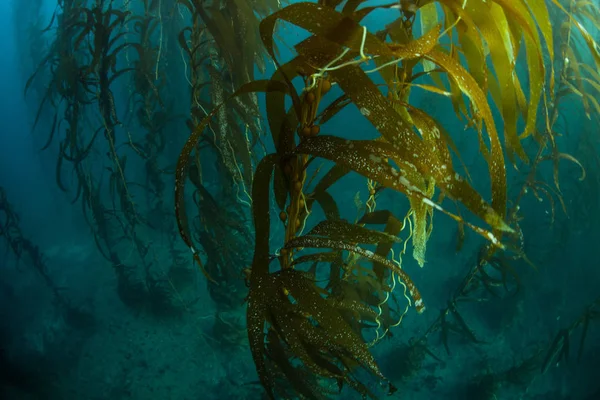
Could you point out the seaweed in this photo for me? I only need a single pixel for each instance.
(411, 156)
(254, 189)
(76, 315)
(559, 349)
(290, 162)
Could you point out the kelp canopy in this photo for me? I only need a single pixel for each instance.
(327, 289)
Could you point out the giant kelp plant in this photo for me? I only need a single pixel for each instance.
(310, 325)
(265, 220)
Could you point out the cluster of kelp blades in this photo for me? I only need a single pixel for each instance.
(311, 317)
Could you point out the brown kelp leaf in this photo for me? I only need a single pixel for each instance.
(351, 233)
(542, 18)
(478, 99)
(261, 284)
(317, 242)
(366, 158)
(435, 133)
(495, 30)
(324, 22)
(327, 203)
(292, 325)
(517, 11)
(473, 48)
(329, 320)
(326, 257)
(283, 123)
(295, 375)
(333, 109)
(333, 175)
(255, 321)
(280, 188)
(379, 217)
(418, 47)
(428, 16)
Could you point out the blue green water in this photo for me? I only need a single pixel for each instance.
(69, 331)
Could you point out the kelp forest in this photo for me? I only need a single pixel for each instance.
(333, 199)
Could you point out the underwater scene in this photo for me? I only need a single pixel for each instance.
(271, 199)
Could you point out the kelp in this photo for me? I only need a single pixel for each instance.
(489, 271)
(539, 361)
(28, 254)
(217, 37)
(325, 326)
(558, 351)
(321, 291)
(96, 45)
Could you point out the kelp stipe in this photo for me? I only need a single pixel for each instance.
(558, 351)
(28, 253)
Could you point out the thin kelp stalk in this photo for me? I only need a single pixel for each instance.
(558, 351)
(67, 91)
(483, 274)
(150, 112)
(103, 68)
(521, 374)
(29, 253)
(207, 59)
(217, 95)
(31, 36)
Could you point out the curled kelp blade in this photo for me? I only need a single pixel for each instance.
(307, 241)
(305, 320)
(310, 325)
